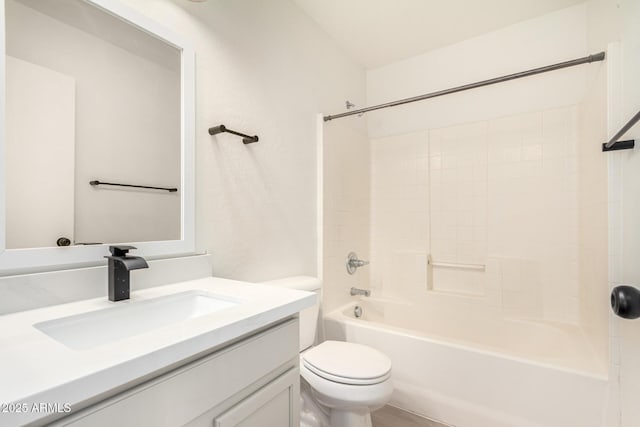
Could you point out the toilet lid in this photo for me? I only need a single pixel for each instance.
(347, 363)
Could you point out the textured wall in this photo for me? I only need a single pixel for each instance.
(263, 68)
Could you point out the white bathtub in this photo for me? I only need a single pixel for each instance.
(475, 371)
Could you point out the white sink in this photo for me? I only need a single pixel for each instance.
(129, 318)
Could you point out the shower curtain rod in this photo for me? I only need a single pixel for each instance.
(584, 60)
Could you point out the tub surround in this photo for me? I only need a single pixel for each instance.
(44, 370)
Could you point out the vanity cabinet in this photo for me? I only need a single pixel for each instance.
(251, 383)
(272, 404)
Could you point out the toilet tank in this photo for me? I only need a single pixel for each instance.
(308, 316)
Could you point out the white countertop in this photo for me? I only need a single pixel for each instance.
(35, 368)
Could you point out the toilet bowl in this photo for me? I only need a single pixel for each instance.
(341, 382)
(347, 381)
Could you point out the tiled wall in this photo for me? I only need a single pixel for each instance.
(500, 193)
(345, 210)
(399, 207)
(458, 173)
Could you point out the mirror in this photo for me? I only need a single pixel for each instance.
(98, 140)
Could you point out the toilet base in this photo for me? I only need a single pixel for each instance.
(352, 418)
(314, 414)
(311, 413)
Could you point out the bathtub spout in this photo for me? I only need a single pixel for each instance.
(356, 291)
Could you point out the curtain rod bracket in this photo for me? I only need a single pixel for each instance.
(614, 144)
(619, 145)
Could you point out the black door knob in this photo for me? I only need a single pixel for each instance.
(625, 301)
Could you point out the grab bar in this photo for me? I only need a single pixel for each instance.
(454, 265)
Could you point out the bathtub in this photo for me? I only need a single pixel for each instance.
(472, 370)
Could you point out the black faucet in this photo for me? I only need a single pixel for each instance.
(119, 266)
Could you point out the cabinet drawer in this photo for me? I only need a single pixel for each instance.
(275, 404)
(179, 396)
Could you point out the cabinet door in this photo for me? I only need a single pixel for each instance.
(275, 404)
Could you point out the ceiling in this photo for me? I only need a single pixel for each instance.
(378, 32)
(110, 28)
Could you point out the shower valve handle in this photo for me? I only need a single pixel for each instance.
(353, 263)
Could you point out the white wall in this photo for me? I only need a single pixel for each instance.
(555, 37)
(262, 68)
(127, 127)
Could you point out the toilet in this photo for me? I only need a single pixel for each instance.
(341, 382)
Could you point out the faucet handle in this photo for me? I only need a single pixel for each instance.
(353, 263)
(120, 250)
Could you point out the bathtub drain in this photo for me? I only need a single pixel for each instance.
(357, 311)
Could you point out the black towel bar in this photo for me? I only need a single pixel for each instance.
(247, 139)
(96, 182)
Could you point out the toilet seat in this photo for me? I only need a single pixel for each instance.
(347, 363)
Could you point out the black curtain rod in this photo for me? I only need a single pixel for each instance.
(247, 139)
(170, 190)
(585, 60)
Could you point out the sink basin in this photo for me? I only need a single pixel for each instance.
(130, 318)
